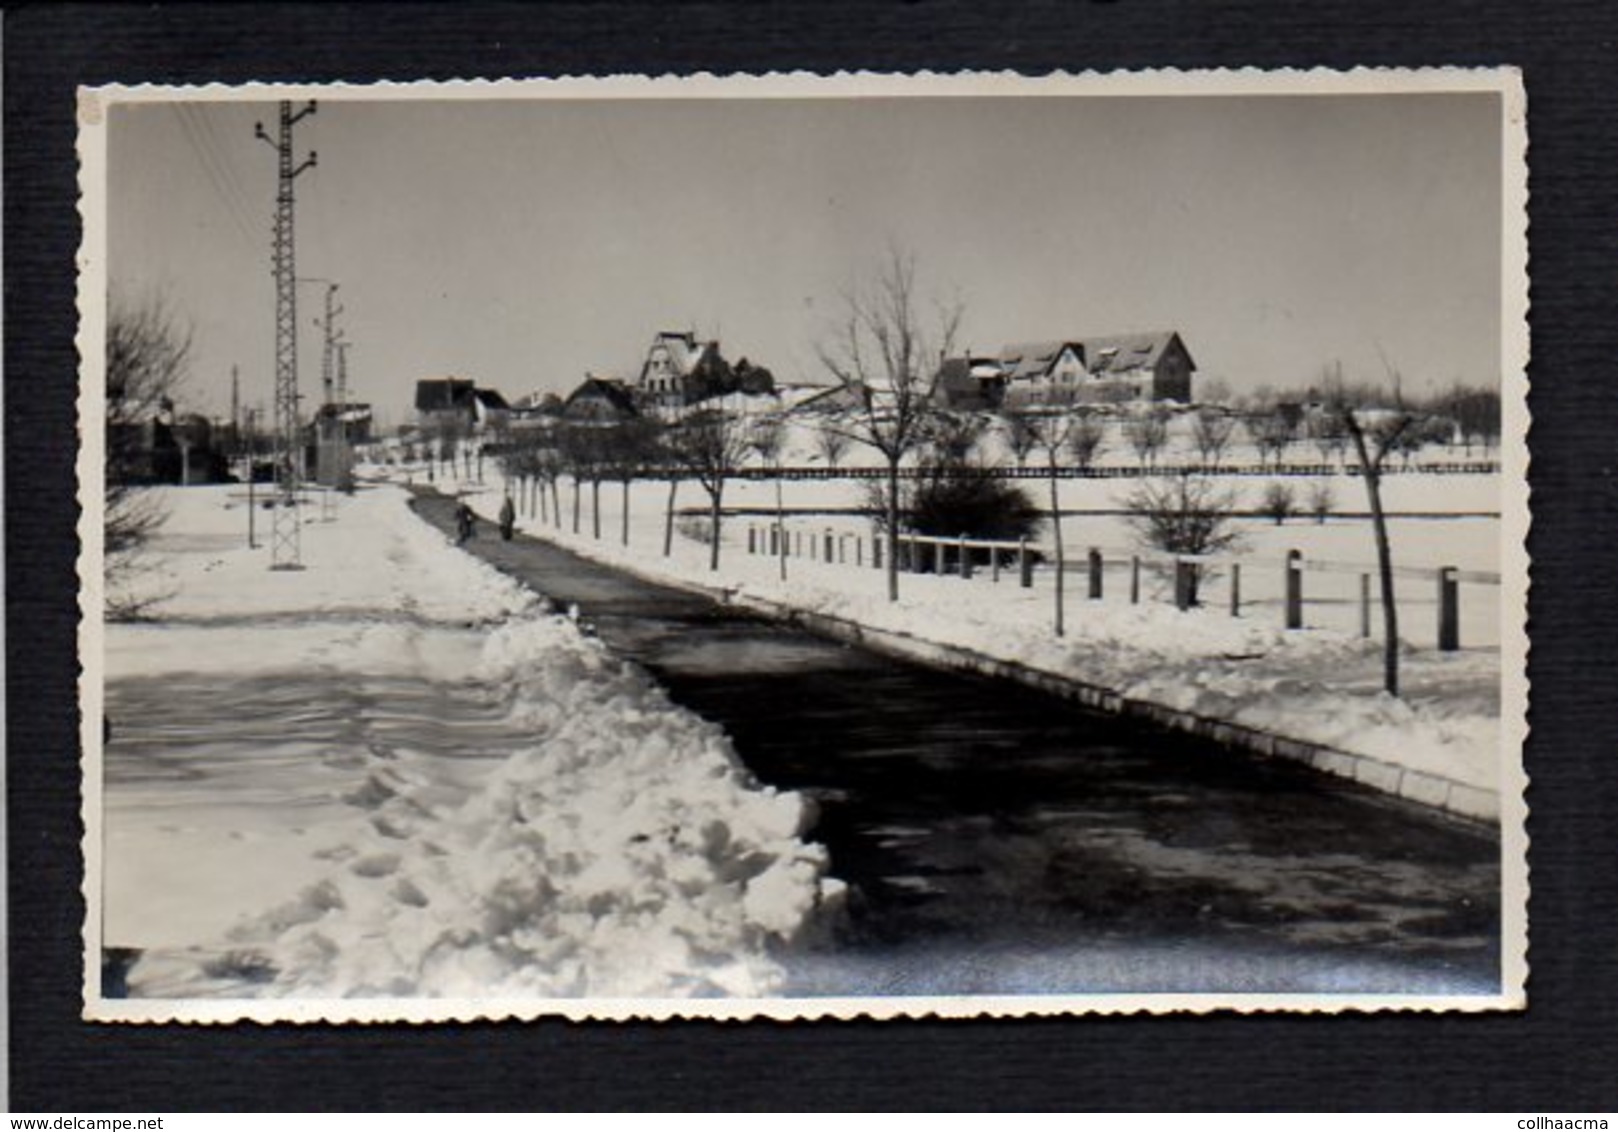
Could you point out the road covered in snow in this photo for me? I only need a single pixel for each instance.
(398, 773)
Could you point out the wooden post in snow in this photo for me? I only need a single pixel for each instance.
(1449, 610)
(1294, 589)
(1095, 574)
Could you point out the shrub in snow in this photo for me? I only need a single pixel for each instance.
(1278, 501)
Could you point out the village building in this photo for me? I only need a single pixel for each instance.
(457, 404)
(970, 383)
(349, 422)
(681, 369)
(168, 447)
(600, 400)
(1151, 366)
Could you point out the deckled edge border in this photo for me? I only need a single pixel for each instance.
(91, 263)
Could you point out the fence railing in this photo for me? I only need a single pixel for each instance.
(1276, 588)
(1120, 471)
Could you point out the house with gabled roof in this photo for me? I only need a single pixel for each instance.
(458, 402)
(1150, 366)
(599, 400)
(682, 369)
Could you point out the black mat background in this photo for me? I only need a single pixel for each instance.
(1560, 1055)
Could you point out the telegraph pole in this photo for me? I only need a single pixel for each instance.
(235, 410)
(285, 551)
(342, 374)
(329, 326)
(345, 456)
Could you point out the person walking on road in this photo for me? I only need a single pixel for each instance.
(464, 519)
(508, 519)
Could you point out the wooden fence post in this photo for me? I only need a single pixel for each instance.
(1294, 589)
(1235, 589)
(1184, 575)
(752, 539)
(994, 565)
(965, 564)
(1095, 574)
(938, 557)
(1449, 610)
(1025, 563)
(876, 550)
(830, 555)
(1134, 579)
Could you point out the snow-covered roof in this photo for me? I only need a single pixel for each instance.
(1103, 355)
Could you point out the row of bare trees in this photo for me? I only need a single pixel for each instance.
(884, 355)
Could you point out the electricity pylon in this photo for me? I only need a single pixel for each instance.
(285, 551)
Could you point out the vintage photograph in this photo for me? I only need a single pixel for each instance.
(798, 546)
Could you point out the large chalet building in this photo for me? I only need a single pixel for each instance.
(1151, 366)
(681, 369)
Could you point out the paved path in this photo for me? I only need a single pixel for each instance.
(999, 840)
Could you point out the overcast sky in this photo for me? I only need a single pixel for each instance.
(522, 243)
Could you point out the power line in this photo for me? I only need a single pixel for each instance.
(210, 171)
(227, 167)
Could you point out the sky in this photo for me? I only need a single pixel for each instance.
(523, 243)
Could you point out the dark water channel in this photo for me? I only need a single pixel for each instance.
(1000, 840)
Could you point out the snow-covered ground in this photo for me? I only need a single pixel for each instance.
(396, 772)
(1322, 684)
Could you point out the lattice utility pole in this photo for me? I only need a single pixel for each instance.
(285, 551)
(345, 454)
(342, 374)
(328, 326)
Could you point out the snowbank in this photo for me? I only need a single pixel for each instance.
(454, 793)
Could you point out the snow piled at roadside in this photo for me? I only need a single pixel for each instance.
(618, 849)
(1313, 685)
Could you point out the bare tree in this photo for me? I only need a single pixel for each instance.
(1214, 391)
(1022, 436)
(765, 436)
(886, 355)
(832, 442)
(1211, 431)
(1189, 515)
(1054, 433)
(148, 353)
(1326, 431)
(1321, 499)
(628, 447)
(1086, 437)
(582, 455)
(1271, 428)
(710, 444)
(1476, 413)
(1375, 424)
(448, 430)
(1147, 432)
